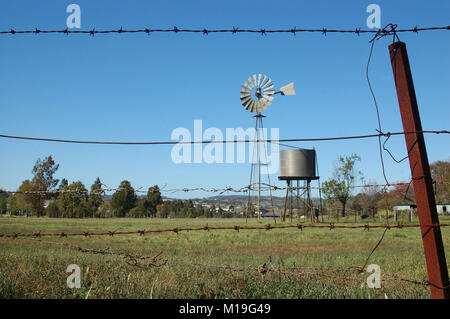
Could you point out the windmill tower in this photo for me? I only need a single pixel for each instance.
(257, 93)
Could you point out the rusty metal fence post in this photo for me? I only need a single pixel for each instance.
(420, 172)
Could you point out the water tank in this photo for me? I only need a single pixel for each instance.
(298, 164)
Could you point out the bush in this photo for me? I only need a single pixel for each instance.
(136, 212)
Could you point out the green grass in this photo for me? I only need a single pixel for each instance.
(33, 269)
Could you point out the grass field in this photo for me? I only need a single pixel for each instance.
(30, 268)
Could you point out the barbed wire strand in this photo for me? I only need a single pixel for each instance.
(223, 141)
(132, 259)
(373, 250)
(235, 30)
(266, 187)
(177, 230)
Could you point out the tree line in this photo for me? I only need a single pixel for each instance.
(44, 195)
(338, 190)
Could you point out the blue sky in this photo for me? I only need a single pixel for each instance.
(140, 88)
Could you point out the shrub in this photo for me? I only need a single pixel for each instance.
(136, 212)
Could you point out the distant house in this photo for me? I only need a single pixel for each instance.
(442, 209)
(272, 214)
(404, 207)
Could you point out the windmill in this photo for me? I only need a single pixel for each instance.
(257, 94)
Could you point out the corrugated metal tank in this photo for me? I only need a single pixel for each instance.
(298, 164)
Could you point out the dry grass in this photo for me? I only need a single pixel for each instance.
(35, 269)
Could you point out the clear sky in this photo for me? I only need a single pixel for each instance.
(140, 88)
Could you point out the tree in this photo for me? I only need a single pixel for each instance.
(402, 194)
(152, 200)
(163, 210)
(72, 203)
(345, 174)
(190, 213)
(64, 182)
(387, 202)
(123, 199)
(136, 212)
(43, 172)
(333, 206)
(3, 201)
(369, 198)
(43, 179)
(52, 210)
(440, 172)
(356, 205)
(199, 210)
(12, 205)
(95, 196)
(26, 201)
(105, 210)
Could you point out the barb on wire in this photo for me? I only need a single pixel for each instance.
(155, 261)
(235, 30)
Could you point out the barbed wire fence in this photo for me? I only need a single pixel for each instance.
(157, 260)
(331, 226)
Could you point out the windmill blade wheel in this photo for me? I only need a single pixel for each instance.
(256, 93)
